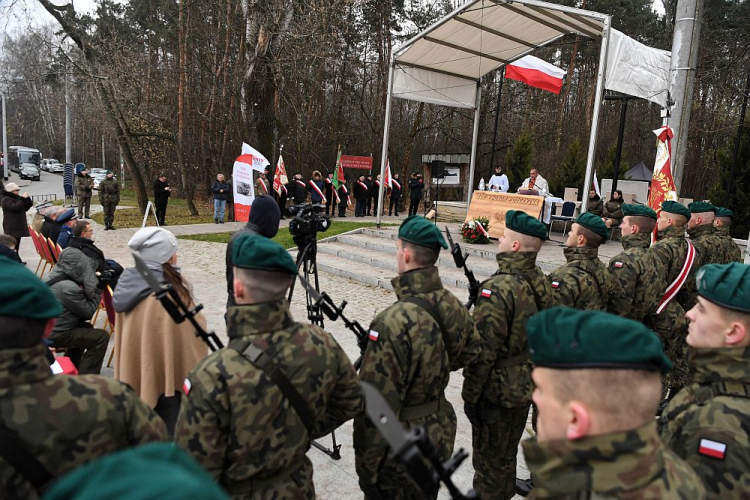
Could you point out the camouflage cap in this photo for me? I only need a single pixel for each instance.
(24, 295)
(418, 230)
(523, 223)
(673, 207)
(253, 251)
(724, 212)
(726, 285)
(638, 211)
(699, 207)
(564, 338)
(593, 223)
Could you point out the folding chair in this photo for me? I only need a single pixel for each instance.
(49, 247)
(35, 240)
(568, 209)
(53, 249)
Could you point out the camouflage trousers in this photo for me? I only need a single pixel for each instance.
(671, 327)
(495, 446)
(109, 212)
(84, 205)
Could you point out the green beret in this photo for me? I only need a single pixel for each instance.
(638, 211)
(418, 230)
(253, 251)
(726, 285)
(724, 212)
(564, 338)
(593, 223)
(24, 295)
(673, 207)
(523, 223)
(699, 207)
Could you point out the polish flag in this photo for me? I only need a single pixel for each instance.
(596, 186)
(257, 160)
(388, 183)
(537, 73)
(713, 449)
(279, 177)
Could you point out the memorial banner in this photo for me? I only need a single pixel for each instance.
(358, 162)
(495, 205)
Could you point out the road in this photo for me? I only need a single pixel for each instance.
(49, 184)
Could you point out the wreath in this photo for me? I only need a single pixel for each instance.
(476, 230)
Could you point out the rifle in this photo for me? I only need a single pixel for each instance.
(460, 259)
(175, 306)
(413, 449)
(325, 304)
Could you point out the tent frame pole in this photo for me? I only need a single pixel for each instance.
(474, 139)
(597, 111)
(386, 131)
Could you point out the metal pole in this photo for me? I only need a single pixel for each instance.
(618, 152)
(104, 162)
(5, 142)
(68, 120)
(474, 145)
(597, 111)
(685, 40)
(497, 117)
(386, 131)
(736, 141)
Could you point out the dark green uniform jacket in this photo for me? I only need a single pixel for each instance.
(84, 185)
(239, 426)
(583, 283)
(637, 286)
(708, 422)
(632, 465)
(109, 191)
(670, 250)
(408, 359)
(613, 210)
(707, 245)
(502, 374)
(596, 206)
(730, 251)
(66, 421)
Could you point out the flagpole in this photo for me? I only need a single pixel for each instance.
(497, 117)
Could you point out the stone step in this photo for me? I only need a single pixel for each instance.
(485, 252)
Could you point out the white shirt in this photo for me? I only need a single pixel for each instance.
(540, 184)
(499, 181)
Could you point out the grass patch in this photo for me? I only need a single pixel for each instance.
(177, 212)
(283, 237)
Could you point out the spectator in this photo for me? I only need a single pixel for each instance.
(50, 216)
(262, 187)
(345, 199)
(84, 188)
(83, 239)
(374, 193)
(15, 207)
(361, 193)
(596, 205)
(316, 186)
(61, 218)
(66, 229)
(109, 196)
(296, 189)
(416, 189)
(162, 192)
(370, 189)
(220, 190)
(8, 247)
(330, 198)
(77, 288)
(153, 354)
(395, 194)
(62, 421)
(612, 213)
(264, 220)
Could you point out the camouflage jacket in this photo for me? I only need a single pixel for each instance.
(707, 244)
(109, 191)
(517, 291)
(730, 251)
(583, 283)
(632, 465)
(239, 426)
(636, 291)
(407, 359)
(84, 186)
(66, 421)
(670, 251)
(708, 422)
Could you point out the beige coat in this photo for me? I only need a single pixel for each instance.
(153, 354)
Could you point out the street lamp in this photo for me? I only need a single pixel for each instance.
(5, 131)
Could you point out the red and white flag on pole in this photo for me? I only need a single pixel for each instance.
(280, 179)
(596, 186)
(662, 183)
(257, 160)
(388, 182)
(537, 73)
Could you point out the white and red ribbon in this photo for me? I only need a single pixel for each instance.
(679, 281)
(263, 183)
(317, 190)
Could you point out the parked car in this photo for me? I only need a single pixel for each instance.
(29, 171)
(98, 178)
(57, 168)
(47, 163)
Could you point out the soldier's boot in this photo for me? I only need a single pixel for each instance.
(524, 487)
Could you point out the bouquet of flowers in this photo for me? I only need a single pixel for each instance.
(475, 230)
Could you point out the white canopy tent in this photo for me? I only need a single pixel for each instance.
(444, 63)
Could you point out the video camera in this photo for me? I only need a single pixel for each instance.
(308, 220)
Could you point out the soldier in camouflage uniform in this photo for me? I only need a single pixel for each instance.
(703, 235)
(670, 251)
(497, 387)
(583, 282)
(413, 346)
(708, 422)
(63, 421)
(730, 251)
(109, 197)
(598, 385)
(636, 289)
(84, 186)
(247, 430)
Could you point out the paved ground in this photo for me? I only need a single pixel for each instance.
(203, 265)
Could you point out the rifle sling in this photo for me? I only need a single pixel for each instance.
(429, 309)
(14, 452)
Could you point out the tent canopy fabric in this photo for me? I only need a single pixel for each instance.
(639, 172)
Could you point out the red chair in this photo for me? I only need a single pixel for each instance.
(35, 241)
(52, 250)
(43, 257)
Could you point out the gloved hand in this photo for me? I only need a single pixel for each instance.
(371, 491)
(472, 413)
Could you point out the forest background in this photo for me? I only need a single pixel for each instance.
(176, 86)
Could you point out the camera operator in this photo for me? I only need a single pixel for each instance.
(416, 192)
(264, 220)
(83, 239)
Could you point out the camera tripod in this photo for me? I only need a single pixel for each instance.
(306, 264)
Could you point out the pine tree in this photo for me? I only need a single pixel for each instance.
(518, 159)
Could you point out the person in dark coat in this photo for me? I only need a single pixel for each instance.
(50, 217)
(330, 198)
(66, 231)
(596, 205)
(344, 197)
(416, 189)
(297, 189)
(374, 193)
(361, 194)
(8, 247)
(15, 207)
(61, 218)
(162, 192)
(315, 196)
(395, 194)
(370, 189)
(83, 234)
(220, 190)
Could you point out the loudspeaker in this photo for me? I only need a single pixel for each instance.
(437, 168)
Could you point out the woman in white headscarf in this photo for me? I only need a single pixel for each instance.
(153, 354)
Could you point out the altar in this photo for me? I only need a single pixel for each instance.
(495, 205)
